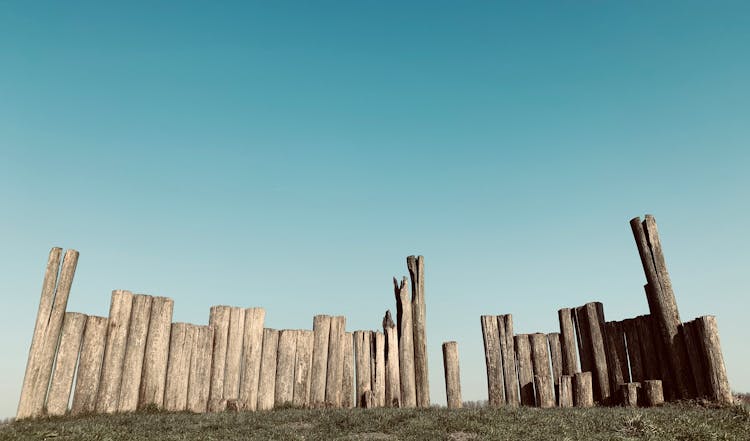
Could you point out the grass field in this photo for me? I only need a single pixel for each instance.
(672, 422)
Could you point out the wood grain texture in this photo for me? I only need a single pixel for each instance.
(566, 391)
(392, 374)
(219, 319)
(181, 341)
(362, 355)
(568, 342)
(199, 377)
(335, 362)
(348, 400)
(507, 350)
(653, 394)
(544, 386)
(415, 265)
(303, 368)
(322, 333)
(583, 392)
(65, 364)
(377, 369)
(267, 382)
(114, 351)
(525, 369)
(233, 360)
(156, 353)
(252, 348)
(285, 361)
(405, 344)
(452, 375)
(89, 365)
(708, 336)
(493, 360)
(135, 350)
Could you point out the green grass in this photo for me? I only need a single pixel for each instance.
(682, 422)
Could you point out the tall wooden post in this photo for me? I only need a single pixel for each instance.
(525, 369)
(347, 379)
(693, 346)
(65, 364)
(510, 376)
(90, 365)
(234, 353)
(322, 333)
(199, 376)
(392, 375)
(708, 336)
(156, 353)
(545, 393)
(267, 381)
(416, 271)
(335, 361)
(219, 318)
(591, 325)
(377, 370)
(405, 344)
(135, 350)
(452, 375)
(493, 360)
(568, 341)
(252, 347)
(114, 351)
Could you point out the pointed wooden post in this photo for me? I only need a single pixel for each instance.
(65, 364)
(156, 353)
(89, 365)
(493, 360)
(302, 368)
(114, 351)
(199, 377)
(405, 344)
(392, 375)
(452, 375)
(525, 369)
(252, 347)
(135, 350)
(510, 375)
(219, 318)
(416, 272)
(267, 381)
(322, 333)
(335, 361)
(568, 341)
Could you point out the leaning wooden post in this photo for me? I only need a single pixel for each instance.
(545, 392)
(347, 378)
(284, 388)
(617, 360)
(233, 359)
(555, 352)
(583, 393)
(567, 341)
(525, 369)
(65, 365)
(252, 347)
(405, 344)
(493, 360)
(199, 377)
(89, 365)
(181, 341)
(510, 376)
(377, 370)
(362, 361)
(566, 391)
(452, 375)
(708, 337)
(114, 351)
(219, 318)
(267, 381)
(156, 353)
(653, 394)
(321, 332)
(132, 366)
(392, 381)
(416, 271)
(302, 365)
(629, 394)
(335, 362)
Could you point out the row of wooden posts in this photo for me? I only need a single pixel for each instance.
(646, 359)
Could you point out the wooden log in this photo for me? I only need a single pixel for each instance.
(132, 366)
(335, 362)
(452, 375)
(235, 405)
(419, 319)
(368, 399)
(362, 361)
(65, 364)
(555, 352)
(89, 365)
(156, 354)
(653, 394)
(114, 351)
(302, 368)
(545, 392)
(617, 361)
(710, 346)
(219, 318)
(650, 358)
(629, 394)
(181, 341)
(633, 342)
(233, 360)
(392, 375)
(568, 341)
(285, 359)
(510, 375)
(583, 338)
(566, 391)
(377, 367)
(583, 392)
(591, 320)
(689, 332)
(493, 360)
(405, 344)
(267, 381)
(347, 381)
(322, 333)
(525, 369)
(199, 377)
(252, 348)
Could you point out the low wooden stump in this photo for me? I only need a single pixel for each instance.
(583, 392)
(566, 391)
(629, 394)
(653, 394)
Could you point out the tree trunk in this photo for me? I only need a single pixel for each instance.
(178, 369)
(302, 368)
(335, 361)
(510, 374)
(219, 318)
(545, 392)
(199, 378)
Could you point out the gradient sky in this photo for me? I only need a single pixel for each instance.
(290, 155)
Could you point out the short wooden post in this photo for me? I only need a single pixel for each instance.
(234, 353)
(634, 350)
(405, 344)
(335, 361)
(199, 377)
(156, 354)
(422, 380)
(566, 391)
(525, 369)
(135, 350)
(555, 352)
(708, 337)
(362, 360)
(629, 394)
(593, 321)
(65, 365)
(284, 388)
(452, 375)
(252, 348)
(89, 365)
(653, 394)
(267, 381)
(392, 375)
(583, 338)
(493, 360)
(545, 392)
(302, 368)
(568, 341)
(181, 342)
(321, 332)
(377, 367)
(617, 360)
(510, 375)
(114, 351)
(689, 332)
(219, 318)
(583, 392)
(368, 399)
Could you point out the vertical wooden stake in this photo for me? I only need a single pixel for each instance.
(493, 360)
(617, 361)
(416, 272)
(452, 375)
(284, 388)
(649, 357)
(267, 381)
(555, 352)
(219, 318)
(199, 377)
(114, 351)
(65, 366)
(583, 394)
(156, 353)
(132, 367)
(302, 368)
(347, 379)
(510, 375)
(392, 375)
(405, 344)
(692, 343)
(591, 319)
(525, 369)
(321, 331)
(252, 348)
(335, 361)
(378, 368)
(234, 353)
(181, 342)
(90, 365)
(362, 360)
(635, 357)
(566, 391)
(568, 341)
(708, 336)
(545, 393)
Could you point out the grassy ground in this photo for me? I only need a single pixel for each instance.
(672, 422)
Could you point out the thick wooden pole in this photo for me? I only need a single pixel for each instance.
(392, 375)
(267, 381)
(510, 375)
(653, 394)
(181, 342)
(568, 341)
(591, 323)
(405, 344)
(347, 379)
(362, 353)
(252, 347)
(132, 367)
(114, 351)
(285, 360)
(525, 369)
(156, 353)
(566, 391)
(89, 365)
(335, 362)
(322, 333)
(419, 317)
(493, 360)
(219, 318)
(617, 360)
(708, 337)
(629, 394)
(302, 368)
(555, 352)
(65, 364)
(377, 369)
(545, 392)
(452, 375)
(649, 356)
(633, 341)
(583, 394)
(689, 331)
(233, 370)
(199, 377)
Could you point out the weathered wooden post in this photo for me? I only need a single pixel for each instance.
(452, 375)
(252, 347)
(583, 336)
(219, 318)
(302, 367)
(233, 360)
(555, 352)
(566, 391)
(708, 337)
(634, 350)
(362, 360)
(89, 365)
(392, 375)
(583, 393)
(510, 376)
(649, 356)
(617, 360)
(132, 367)
(545, 393)
(156, 353)
(416, 272)
(334, 371)
(653, 394)
(267, 381)
(347, 379)
(629, 394)
(405, 344)
(321, 332)
(525, 369)
(181, 342)
(284, 388)
(65, 365)
(689, 332)
(199, 377)
(377, 368)
(568, 341)
(493, 360)
(114, 351)
(595, 320)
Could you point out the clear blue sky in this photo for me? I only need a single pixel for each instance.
(291, 155)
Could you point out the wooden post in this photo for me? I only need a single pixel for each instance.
(267, 381)
(199, 377)
(284, 389)
(219, 318)
(321, 332)
(662, 355)
(634, 350)
(132, 367)
(583, 395)
(347, 379)
(568, 341)
(591, 319)
(405, 344)
(114, 351)
(156, 353)
(566, 391)
(377, 369)
(545, 392)
(392, 375)
(692, 344)
(649, 357)
(708, 337)
(302, 368)
(510, 375)
(653, 394)
(89, 365)
(629, 394)
(335, 361)
(617, 360)
(452, 375)
(181, 342)
(252, 349)
(525, 369)
(583, 337)
(416, 272)
(362, 360)
(65, 365)
(493, 360)
(233, 360)
(555, 352)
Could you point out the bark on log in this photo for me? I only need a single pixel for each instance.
(566, 391)
(629, 394)
(568, 341)
(708, 335)
(65, 364)
(525, 369)
(219, 318)
(181, 341)
(334, 371)
(617, 361)
(653, 394)
(321, 331)
(89, 365)
(252, 348)
(156, 353)
(635, 357)
(132, 367)
(392, 375)
(377, 369)
(493, 360)
(362, 360)
(555, 352)
(692, 343)
(302, 368)
(267, 381)
(347, 387)
(594, 321)
(405, 344)
(545, 392)
(583, 393)
(199, 377)
(114, 351)
(510, 375)
(452, 375)
(234, 353)
(421, 376)
(284, 389)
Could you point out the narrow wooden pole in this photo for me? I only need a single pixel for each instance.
(566, 391)
(156, 353)
(65, 365)
(335, 361)
(416, 272)
(493, 360)
(555, 352)
(629, 394)
(284, 388)
(568, 341)
(583, 338)
(635, 358)
(545, 392)
(199, 377)
(219, 318)
(232, 370)
(347, 379)
(181, 342)
(90, 365)
(267, 381)
(653, 394)
(525, 369)
(583, 394)
(591, 325)
(377, 362)
(708, 337)
(362, 360)
(322, 333)
(114, 351)
(392, 375)
(689, 331)
(617, 360)
(452, 375)
(510, 375)
(135, 348)
(405, 344)
(252, 347)
(302, 366)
